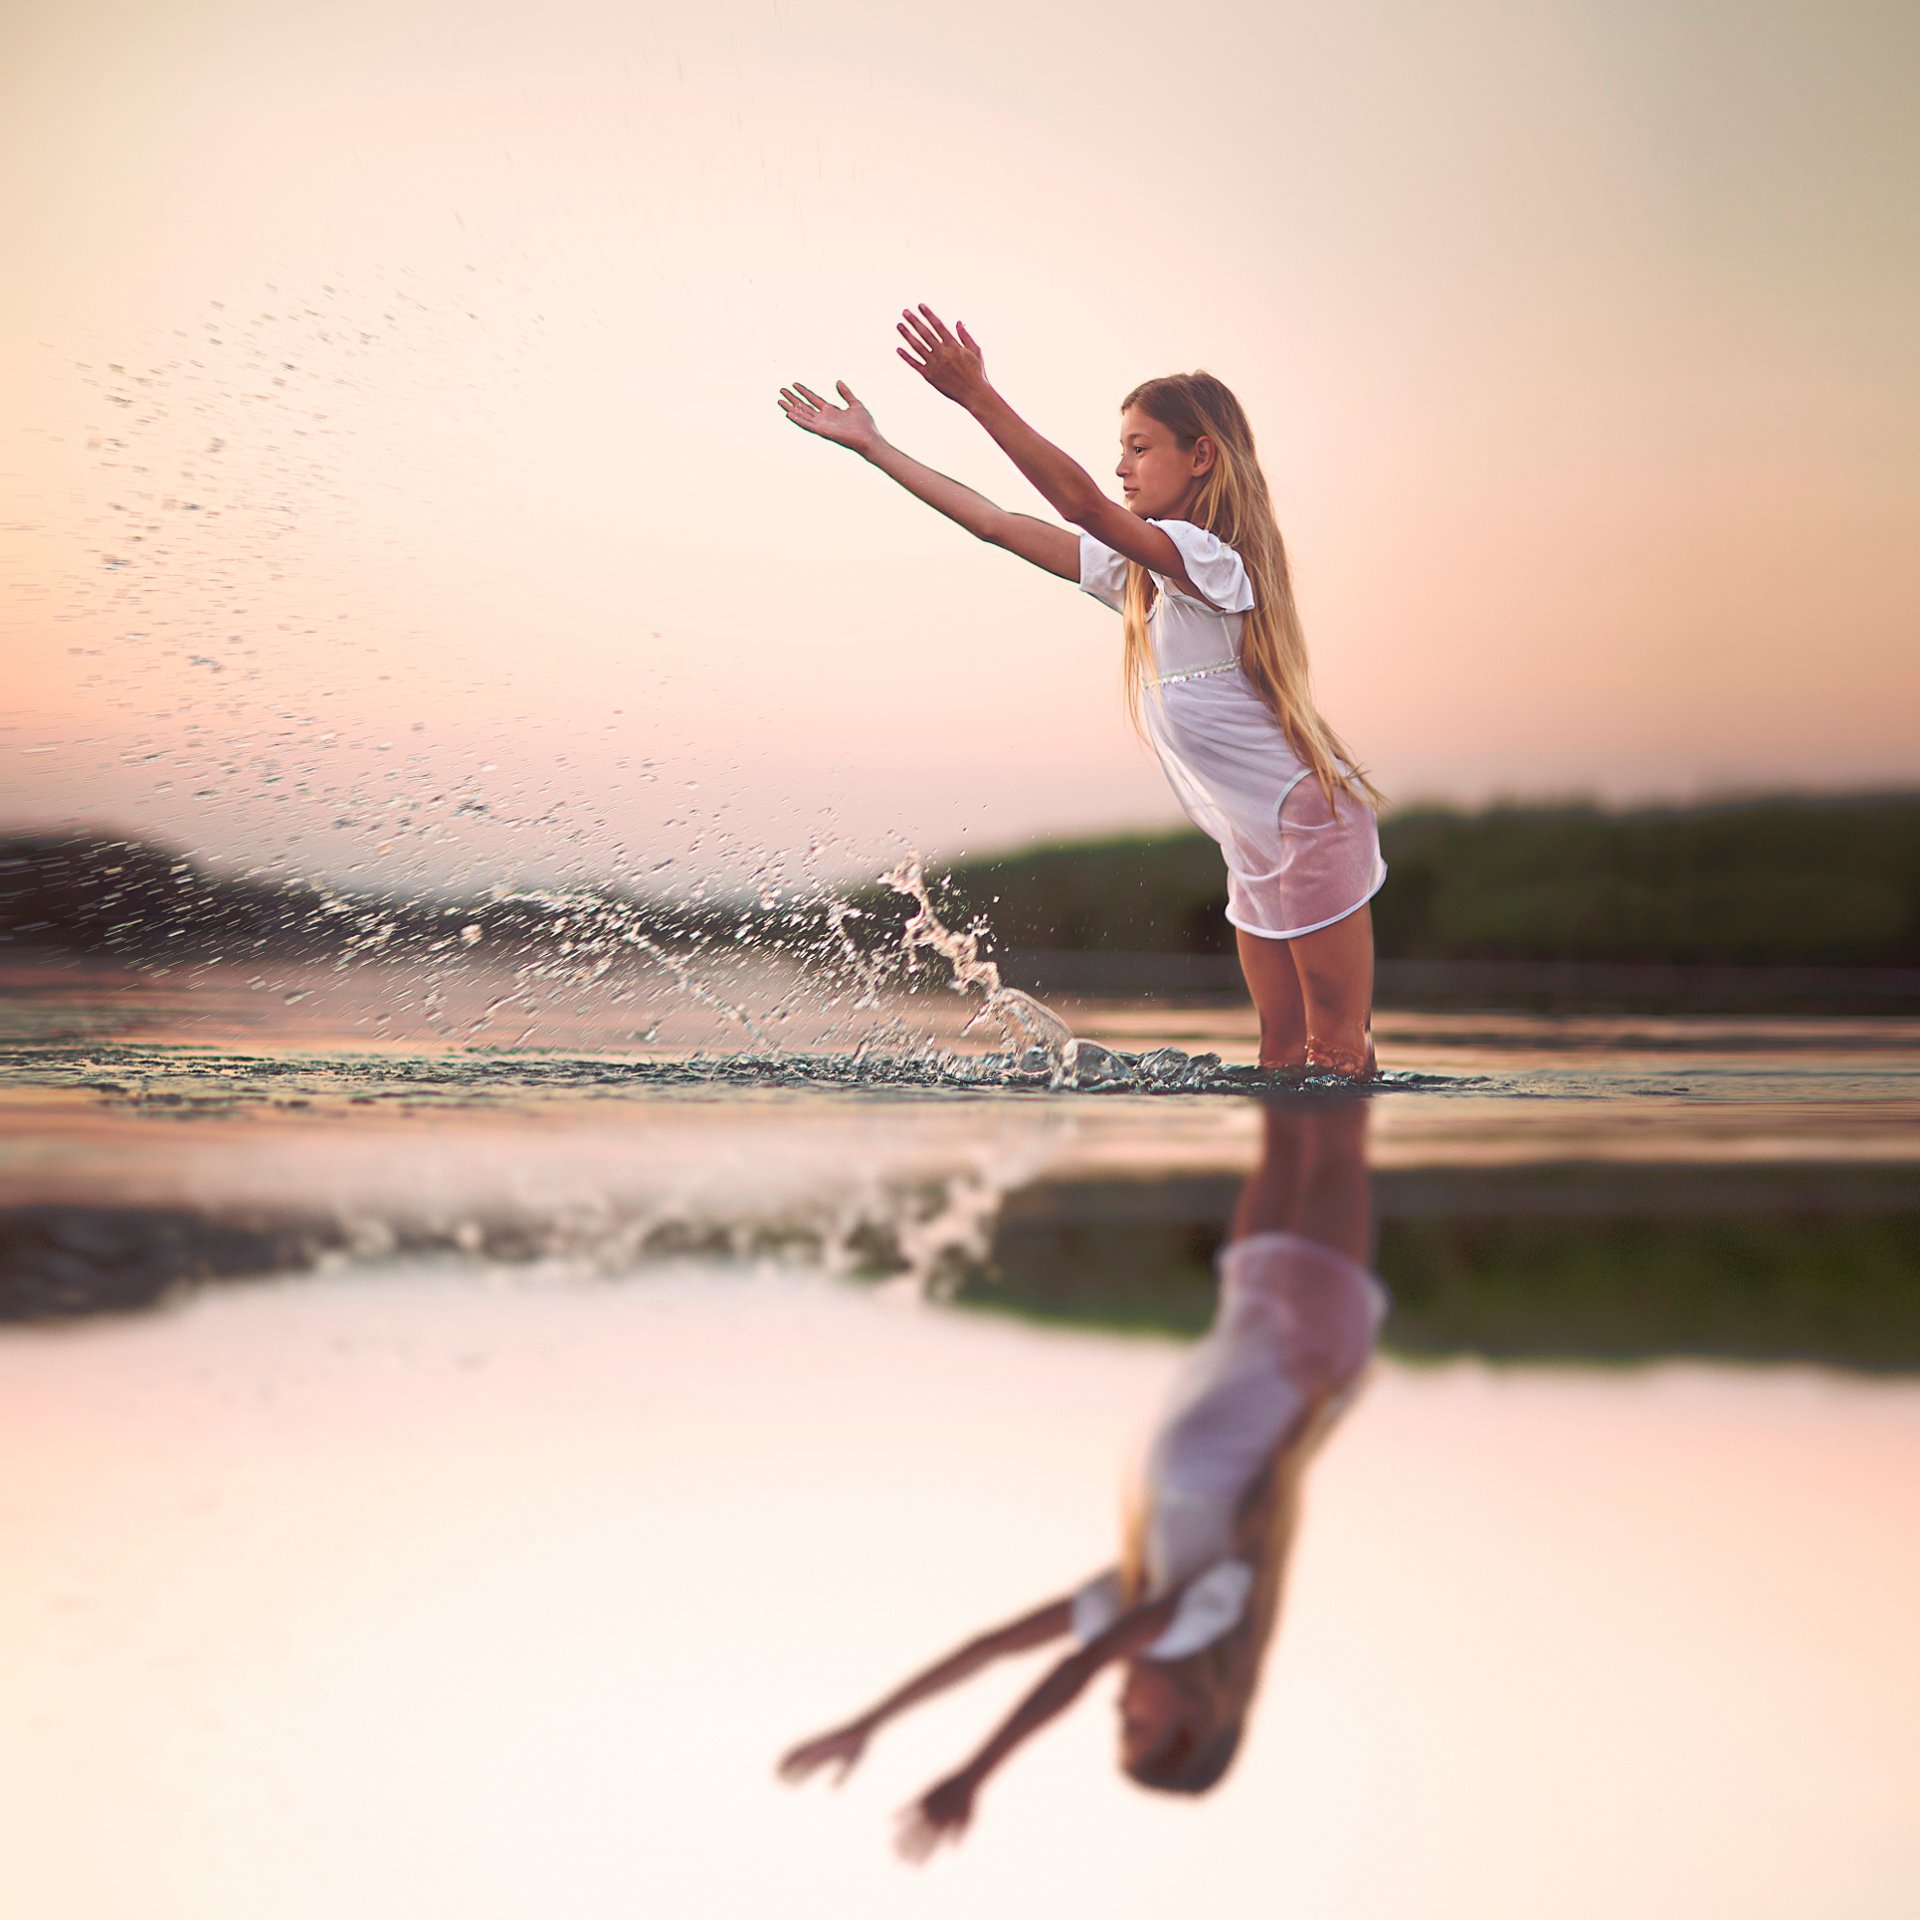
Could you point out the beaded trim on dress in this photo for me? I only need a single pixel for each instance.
(1198, 673)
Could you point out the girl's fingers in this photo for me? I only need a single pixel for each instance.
(919, 366)
(939, 326)
(812, 397)
(966, 339)
(846, 393)
(920, 330)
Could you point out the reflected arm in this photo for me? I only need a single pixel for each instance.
(942, 1813)
(1134, 1630)
(845, 1744)
(1127, 1637)
(1031, 1630)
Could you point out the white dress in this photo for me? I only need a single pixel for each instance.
(1294, 863)
(1296, 1321)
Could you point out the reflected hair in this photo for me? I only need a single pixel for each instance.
(1233, 504)
(1220, 1681)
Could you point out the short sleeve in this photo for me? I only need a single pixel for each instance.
(1209, 1610)
(1103, 573)
(1211, 565)
(1096, 1606)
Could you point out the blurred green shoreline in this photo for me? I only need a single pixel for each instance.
(1551, 1264)
(1781, 904)
(1565, 1264)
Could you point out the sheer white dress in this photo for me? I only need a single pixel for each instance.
(1296, 1323)
(1295, 864)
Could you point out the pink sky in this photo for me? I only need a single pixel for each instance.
(1576, 341)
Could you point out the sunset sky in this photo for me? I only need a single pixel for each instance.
(392, 477)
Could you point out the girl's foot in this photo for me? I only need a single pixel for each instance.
(1344, 1063)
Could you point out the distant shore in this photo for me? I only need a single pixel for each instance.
(1518, 986)
(1780, 905)
(1804, 1263)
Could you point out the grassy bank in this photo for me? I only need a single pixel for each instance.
(1784, 882)
(1566, 1264)
(1573, 1264)
(1778, 904)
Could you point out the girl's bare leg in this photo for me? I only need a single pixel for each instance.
(1335, 969)
(1270, 1200)
(1335, 1203)
(1312, 1175)
(1274, 981)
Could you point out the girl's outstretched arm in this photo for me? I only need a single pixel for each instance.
(943, 1811)
(951, 363)
(845, 1744)
(1052, 548)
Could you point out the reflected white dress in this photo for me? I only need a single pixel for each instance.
(1294, 863)
(1296, 1321)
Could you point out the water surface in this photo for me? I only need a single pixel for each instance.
(444, 1479)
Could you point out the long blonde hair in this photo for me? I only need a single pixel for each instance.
(1233, 504)
(1221, 1679)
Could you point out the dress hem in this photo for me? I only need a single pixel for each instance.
(1345, 913)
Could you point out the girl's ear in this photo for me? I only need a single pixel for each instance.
(1203, 454)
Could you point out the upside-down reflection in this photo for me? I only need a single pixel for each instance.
(1188, 1608)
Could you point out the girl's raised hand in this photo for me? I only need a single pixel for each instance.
(848, 426)
(938, 1817)
(950, 363)
(840, 1749)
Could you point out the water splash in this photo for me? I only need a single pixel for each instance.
(1024, 1022)
(214, 1083)
(913, 1215)
(821, 989)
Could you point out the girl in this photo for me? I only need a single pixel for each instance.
(1189, 1609)
(1215, 666)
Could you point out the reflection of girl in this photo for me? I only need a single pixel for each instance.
(1215, 665)
(1190, 1607)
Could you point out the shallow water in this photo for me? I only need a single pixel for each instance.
(445, 1479)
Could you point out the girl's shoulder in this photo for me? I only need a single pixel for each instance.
(1215, 568)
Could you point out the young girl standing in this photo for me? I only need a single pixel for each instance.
(1215, 665)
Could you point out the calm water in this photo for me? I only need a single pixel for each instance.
(446, 1480)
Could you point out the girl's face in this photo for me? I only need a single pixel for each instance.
(1158, 476)
(1152, 1709)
